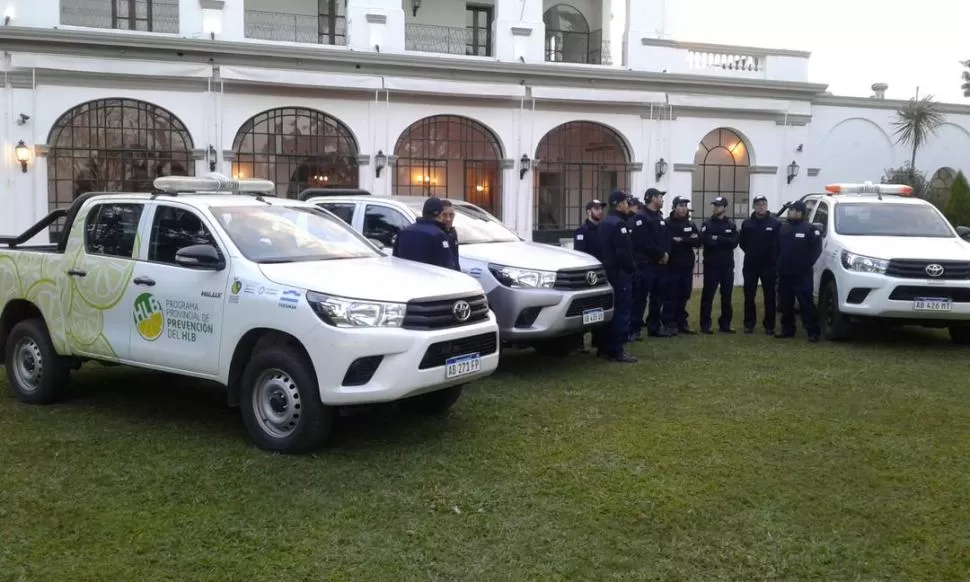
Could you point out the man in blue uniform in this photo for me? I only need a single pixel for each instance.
(620, 269)
(684, 238)
(759, 241)
(587, 239)
(426, 241)
(447, 220)
(719, 235)
(799, 246)
(651, 251)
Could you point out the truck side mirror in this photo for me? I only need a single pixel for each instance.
(963, 232)
(204, 257)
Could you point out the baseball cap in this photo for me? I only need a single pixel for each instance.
(759, 198)
(634, 201)
(432, 207)
(720, 201)
(797, 206)
(593, 204)
(653, 193)
(678, 201)
(617, 197)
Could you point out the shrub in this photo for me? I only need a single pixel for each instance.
(957, 210)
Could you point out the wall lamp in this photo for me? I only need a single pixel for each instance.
(415, 5)
(660, 168)
(211, 155)
(23, 155)
(380, 162)
(524, 165)
(792, 171)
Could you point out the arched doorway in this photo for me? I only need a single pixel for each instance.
(721, 168)
(449, 156)
(114, 145)
(296, 148)
(938, 191)
(577, 162)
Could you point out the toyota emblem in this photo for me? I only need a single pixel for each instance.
(934, 270)
(461, 310)
(591, 278)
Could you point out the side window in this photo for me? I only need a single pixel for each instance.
(809, 207)
(345, 210)
(111, 229)
(383, 223)
(822, 216)
(173, 229)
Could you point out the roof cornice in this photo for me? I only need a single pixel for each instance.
(891, 104)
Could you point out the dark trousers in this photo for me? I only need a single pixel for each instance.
(649, 289)
(717, 276)
(680, 285)
(767, 275)
(790, 289)
(616, 336)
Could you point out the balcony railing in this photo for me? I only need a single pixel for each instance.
(587, 48)
(304, 28)
(449, 40)
(146, 15)
(725, 61)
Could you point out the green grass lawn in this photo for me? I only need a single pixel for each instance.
(714, 458)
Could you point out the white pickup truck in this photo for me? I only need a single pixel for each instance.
(279, 301)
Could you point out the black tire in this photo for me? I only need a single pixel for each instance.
(559, 347)
(437, 402)
(960, 334)
(835, 325)
(278, 380)
(35, 372)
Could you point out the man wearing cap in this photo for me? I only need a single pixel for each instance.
(587, 236)
(620, 269)
(684, 239)
(759, 241)
(799, 246)
(719, 235)
(651, 251)
(426, 241)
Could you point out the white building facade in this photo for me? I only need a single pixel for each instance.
(528, 108)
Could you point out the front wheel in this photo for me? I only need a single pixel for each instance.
(835, 325)
(437, 402)
(34, 370)
(281, 406)
(960, 334)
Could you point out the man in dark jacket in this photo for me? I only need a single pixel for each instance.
(587, 237)
(759, 241)
(426, 241)
(719, 235)
(618, 262)
(799, 246)
(684, 239)
(651, 251)
(447, 220)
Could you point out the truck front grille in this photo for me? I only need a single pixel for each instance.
(444, 313)
(482, 344)
(917, 269)
(581, 304)
(580, 278)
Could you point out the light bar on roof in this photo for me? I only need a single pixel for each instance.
(212, 183)
(869, 188)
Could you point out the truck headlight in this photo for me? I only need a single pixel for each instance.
(523, 278)
(344, 312)
(863, 264)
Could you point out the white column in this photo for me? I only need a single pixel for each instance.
(375, 25)
(518, 33)
(644, 19)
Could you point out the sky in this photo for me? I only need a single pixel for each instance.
(854, 43)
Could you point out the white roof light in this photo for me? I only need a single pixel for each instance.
(212, 183)
(870, 188)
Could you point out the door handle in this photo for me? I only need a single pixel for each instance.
(144, 281)
(77, 273)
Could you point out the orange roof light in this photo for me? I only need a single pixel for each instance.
(833, 189)
(869, 188)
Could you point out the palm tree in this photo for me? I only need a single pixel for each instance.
(916, 122)
(966, 79)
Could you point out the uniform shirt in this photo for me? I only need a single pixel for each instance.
(682, 250)
(799, 246)
(648, 233)
(759, 240)
(587, 239)
(425, 241)
(453, 239)
(617, 252)
(719, 237)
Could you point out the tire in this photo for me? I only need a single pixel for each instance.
(437, 402)
(960, 334)
(280, 402)
(35, 371)
(559, 347)
(835, 325)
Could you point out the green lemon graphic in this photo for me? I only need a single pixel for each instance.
(236, 287)
(149, 320)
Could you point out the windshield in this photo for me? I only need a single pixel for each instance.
(474, 225)
(890, 220)
(285, 234)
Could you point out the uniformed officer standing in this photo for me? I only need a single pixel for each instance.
(587, 239)
(651, 251)
(719, 235)
(620, 269)
(759, 241)
(799, 246)
(684, 238)
(447, 220)
(426, 241)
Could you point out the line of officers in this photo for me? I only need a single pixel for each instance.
(649, 260)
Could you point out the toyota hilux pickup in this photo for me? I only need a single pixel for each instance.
(277, 300)
(544, 297)
(890, 257)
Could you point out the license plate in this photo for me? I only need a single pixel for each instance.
(932, 304)
(462, 365)
(592, 316)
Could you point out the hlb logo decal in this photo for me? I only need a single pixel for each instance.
(149, 320)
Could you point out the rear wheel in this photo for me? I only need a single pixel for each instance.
(34, 370)
(960, 334)
(835, 325)
(437, 402)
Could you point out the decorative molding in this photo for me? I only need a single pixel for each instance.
(778, 117)
(212, 4)
(763, 170)
(198, 154)
(873, 103)
(723, 48)
(636, 167)
(521, 31)
(41, 150)
(363, 160)
(373, 18)
(506, 164)
(391, 160)
(228, 155)
(793, 120)
(814, 171)
(683, 167)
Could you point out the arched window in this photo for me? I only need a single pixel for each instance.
(449, 156)
(297, 148)
(577, 162)
(568, 37)
(114, 145)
